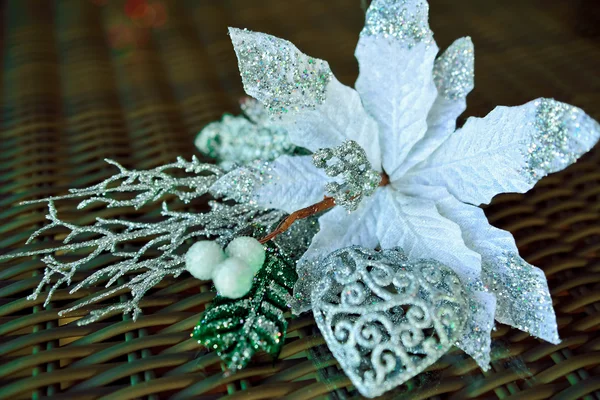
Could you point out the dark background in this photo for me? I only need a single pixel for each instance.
(136, 80)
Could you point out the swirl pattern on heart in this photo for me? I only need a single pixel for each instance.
(386, 318)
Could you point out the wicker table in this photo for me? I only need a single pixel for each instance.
(84, 80)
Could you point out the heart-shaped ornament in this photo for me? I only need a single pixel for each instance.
(385, 318)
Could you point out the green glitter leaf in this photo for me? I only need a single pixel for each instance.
(239, 328)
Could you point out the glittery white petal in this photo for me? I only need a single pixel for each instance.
(562, 133)
(420, 230)
(341, 117)
(453, 74)
(476, 340)
(395, 54)
(315, 108)
(292, 183)
(521, 290)
(522, 294)
(508, 150)
(289, 183)
(338, 229)
(415, 225)
(454, 70)
(276, 73)
(240, 183)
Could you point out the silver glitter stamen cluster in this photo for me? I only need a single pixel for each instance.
(238, 140)
(561, 134)
(385, 318)
(348, 162)
(142, 252)
(453, 71)
(276, 73)
(522, 295)
(405, 21)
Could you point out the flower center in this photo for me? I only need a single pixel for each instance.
(385, 179)
(323, 205)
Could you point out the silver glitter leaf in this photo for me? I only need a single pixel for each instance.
(561, 134)
(302, 95)
(238, 140)
(275, 72)
(404, 21)
(522, 295)
(141, 253)
(454, 70)
(476, 339)
(347, 162)
(508, 150)
(240, 183)
(396, 53)
(386, 318)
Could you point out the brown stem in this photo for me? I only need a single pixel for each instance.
(385, 179)
(325, 204)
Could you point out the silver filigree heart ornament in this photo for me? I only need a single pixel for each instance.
(386, 318)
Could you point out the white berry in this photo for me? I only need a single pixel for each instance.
(233, 278)
(202, 258)
(248, 249)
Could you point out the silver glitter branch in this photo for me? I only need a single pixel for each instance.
(151, 184)
(166, 240)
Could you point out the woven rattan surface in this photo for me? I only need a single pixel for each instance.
(85, 80)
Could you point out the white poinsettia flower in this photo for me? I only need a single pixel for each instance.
(403, 114)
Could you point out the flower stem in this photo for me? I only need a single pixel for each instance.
(325, 204)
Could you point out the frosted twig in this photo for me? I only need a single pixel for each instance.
(164, 241)
(151, 184)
